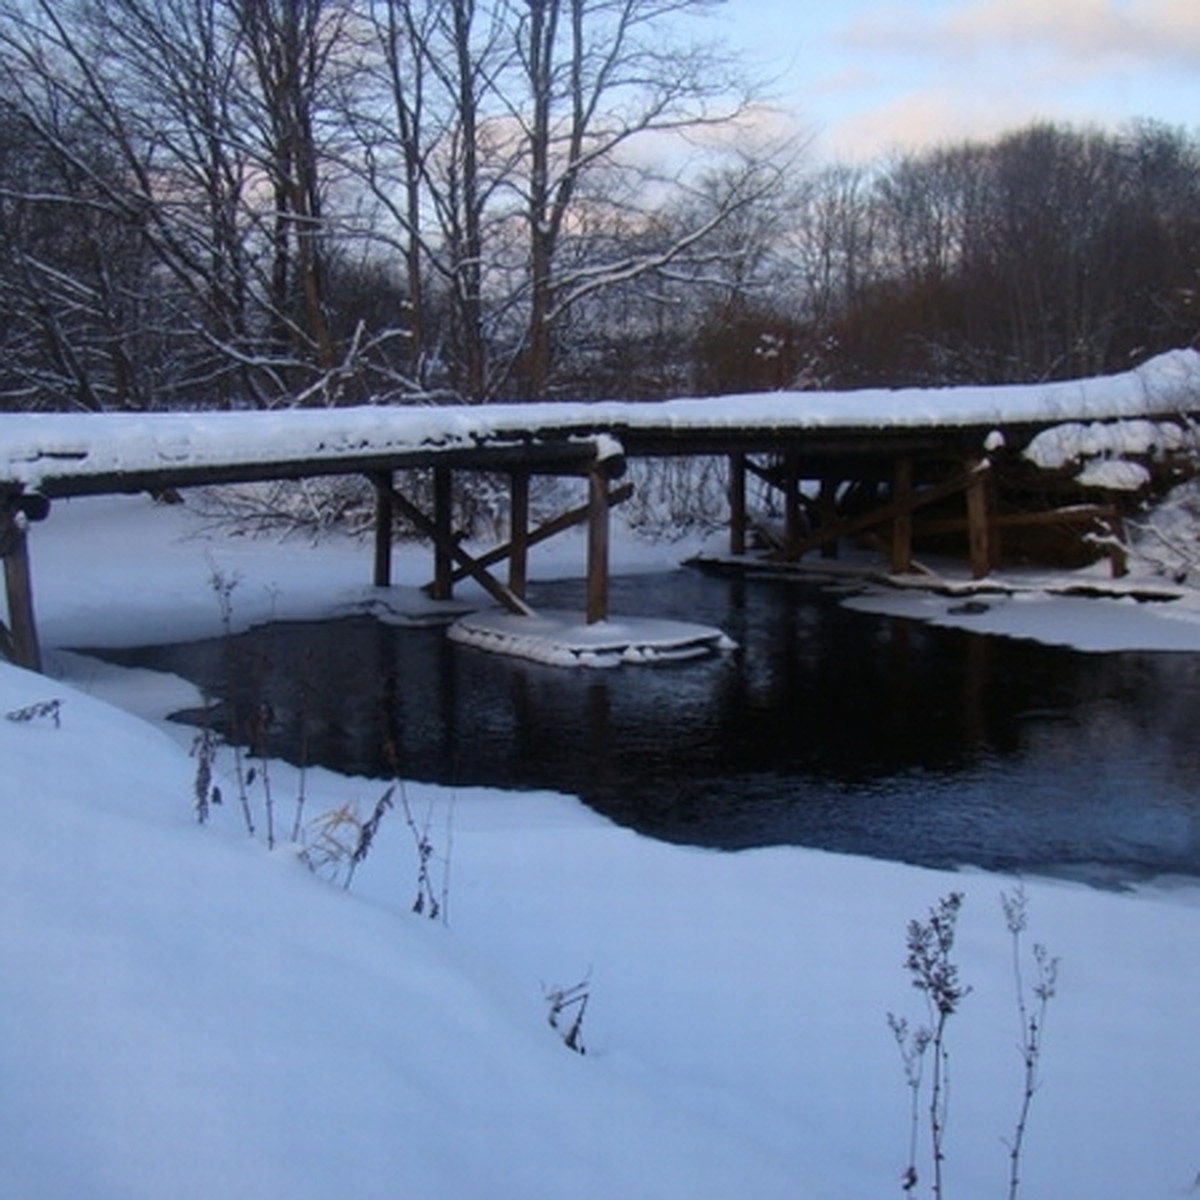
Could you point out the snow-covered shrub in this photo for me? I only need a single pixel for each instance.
(313, 507)
(1166, 540)
(675, 495)
(346, 505)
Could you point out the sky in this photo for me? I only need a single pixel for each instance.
(867, 77)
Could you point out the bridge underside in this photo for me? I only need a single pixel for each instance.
(964, 491)
(520, 462)
(971, 507)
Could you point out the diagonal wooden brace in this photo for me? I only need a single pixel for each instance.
(887, 513)
(546, 530)
(448, 545)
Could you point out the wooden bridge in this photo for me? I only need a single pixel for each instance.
(892, 465)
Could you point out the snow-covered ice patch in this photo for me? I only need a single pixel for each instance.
(563, 640)
(1090, 623)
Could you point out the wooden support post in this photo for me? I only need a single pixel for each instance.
(518, 532)
(793, 519)
(384, 512)
(737, 504)
(902, 525)
(980, 530)
(18, 587)
(1117, 556)
(827, 513)
(443, 519)
(597, 547)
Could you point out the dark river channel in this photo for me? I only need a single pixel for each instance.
(827, 728)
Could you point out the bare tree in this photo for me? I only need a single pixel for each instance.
(600, 76)
(290, 45)
(511, 166)
(206, 112)
(294, 201)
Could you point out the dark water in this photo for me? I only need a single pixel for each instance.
(828, 728)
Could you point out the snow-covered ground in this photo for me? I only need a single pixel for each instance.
(188, 1014)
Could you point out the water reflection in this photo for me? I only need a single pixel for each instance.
(828, 728)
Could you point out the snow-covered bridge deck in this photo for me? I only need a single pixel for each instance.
(67, 454)
(821, 435)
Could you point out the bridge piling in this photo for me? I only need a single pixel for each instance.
(19, 640)
(383, 482)
(597, 546)
(518, 532)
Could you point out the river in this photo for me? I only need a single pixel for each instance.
(827, 728)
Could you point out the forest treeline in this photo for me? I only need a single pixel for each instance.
(226, 203)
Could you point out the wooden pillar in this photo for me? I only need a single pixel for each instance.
(597, 547)
(18, 587)
(384, 512)
(980, 530)
(737, 504)
(827, 513)
(902, 525)
(443, 519)
(793, 513)
(1117, 557)
(518, 532)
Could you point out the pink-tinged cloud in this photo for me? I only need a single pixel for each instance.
(1158, 32)
(920, 119)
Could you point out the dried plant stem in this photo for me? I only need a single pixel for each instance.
(306, 691)
(1031, 1012)
(259, 730)
(560, 1000)
(301, 793)
(244, 779)
(367, 831)
(934, 972)
(912, 1046)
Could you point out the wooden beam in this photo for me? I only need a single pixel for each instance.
(885, 514)
(22, 640)
(518, 532)
(1074, 515)
(793, 508)
(597, 548)
(981, 534)
(1117, 557)
(902, 525)
(443, 533)
(384, 512)
(1088, 514)
(827, 512)
(448, 547)
(737, 504)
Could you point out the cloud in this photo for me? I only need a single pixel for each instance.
(919, 119)
(1150, 32)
